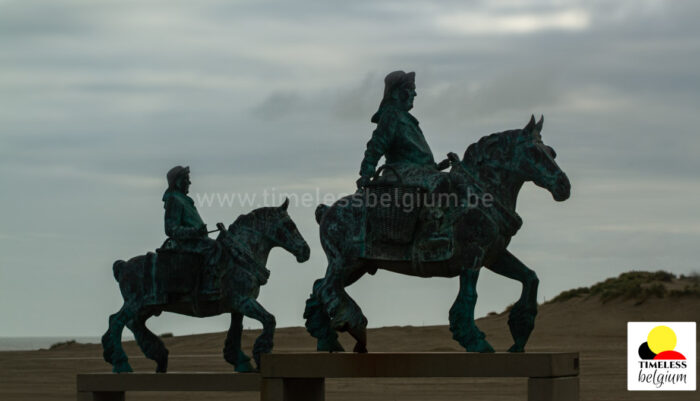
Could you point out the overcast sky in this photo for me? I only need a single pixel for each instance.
(99, 99)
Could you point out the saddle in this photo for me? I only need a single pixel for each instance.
(401, 224)
(172, 273)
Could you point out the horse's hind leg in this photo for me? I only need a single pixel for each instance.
(232, 348)
(344, 313)
(151, 345)
(112, 341)
(107, 346)
(359, 329)
(318, 323)
(521, 319)
(263, 344)
(358, 324)
(462, 324)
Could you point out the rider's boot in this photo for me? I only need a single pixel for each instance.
(211, 287)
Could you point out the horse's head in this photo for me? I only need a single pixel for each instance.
(534, 161)
(506, 159)
(286, 234)
(275, 225)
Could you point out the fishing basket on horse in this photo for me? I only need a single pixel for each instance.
(392, 207)
(177, 270)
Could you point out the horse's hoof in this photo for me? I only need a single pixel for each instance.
(122, 367)
(486, 348)
(329, 346)
(516, 348)
(162, 367)
(481, 346)
(257, 364)
(244, 367)
(360, 348)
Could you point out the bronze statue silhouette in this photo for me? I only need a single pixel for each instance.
(400, 140)
(186, 230)
(178, 279)
(431, 239)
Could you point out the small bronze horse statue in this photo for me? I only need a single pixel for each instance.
(149, 288)
(498, 164)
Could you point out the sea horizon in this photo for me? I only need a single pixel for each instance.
(33, 343)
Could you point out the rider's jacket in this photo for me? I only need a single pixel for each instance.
(399, 139)
(184, 225)
(182, 221)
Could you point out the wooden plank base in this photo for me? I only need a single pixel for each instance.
(111, 386)
(420, 364)
(301, 376)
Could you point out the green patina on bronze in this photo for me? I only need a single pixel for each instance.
(194, 275)
(471, 227)
(399, 138)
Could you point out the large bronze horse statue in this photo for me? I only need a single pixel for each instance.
(497, 165)
(150, 287)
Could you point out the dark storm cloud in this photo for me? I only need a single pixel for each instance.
(99, 99)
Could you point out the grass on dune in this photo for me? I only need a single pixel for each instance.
(636, 285)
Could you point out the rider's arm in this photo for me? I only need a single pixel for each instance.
(173, 218)
(379, 144)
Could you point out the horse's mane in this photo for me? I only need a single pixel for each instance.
(493, 147)
(253, 219)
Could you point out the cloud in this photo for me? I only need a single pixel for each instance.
(101, 99)
(521, 23)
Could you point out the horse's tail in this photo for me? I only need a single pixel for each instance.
(317, 320)
(117, 268)
(320, 211)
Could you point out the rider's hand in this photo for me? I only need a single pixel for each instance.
(362, 182)
(443, 164)
(203, 230)
(451, 158)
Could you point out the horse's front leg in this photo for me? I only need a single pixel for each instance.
(462, 324)
(232, 349)
(151, 345)
(112, 341)
(263, 344)
(521, 319)
(318, 323)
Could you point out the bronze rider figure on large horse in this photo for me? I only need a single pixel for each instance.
(400, 140)
(187, 232)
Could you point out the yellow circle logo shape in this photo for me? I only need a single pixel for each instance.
(661, 338)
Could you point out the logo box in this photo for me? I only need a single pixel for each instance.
(661, 356)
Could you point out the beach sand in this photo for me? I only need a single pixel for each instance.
(596, 330)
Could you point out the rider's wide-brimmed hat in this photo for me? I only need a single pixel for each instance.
(398, 79)
(175, 173)
(394, 80)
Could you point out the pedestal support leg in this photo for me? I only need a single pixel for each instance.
(553, 389)
(101, 396)
(278, 389)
